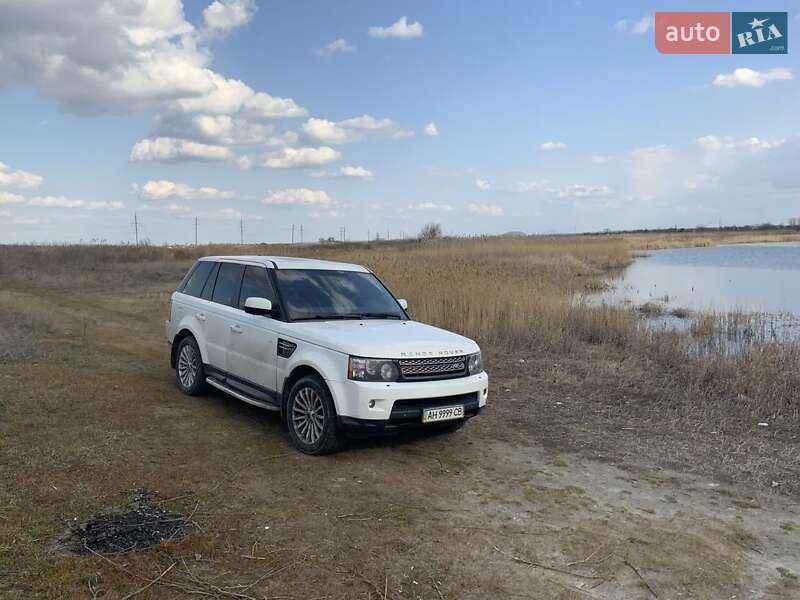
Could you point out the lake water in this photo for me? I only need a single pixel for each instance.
(760, 278)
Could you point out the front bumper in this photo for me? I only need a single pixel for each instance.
(400, 404)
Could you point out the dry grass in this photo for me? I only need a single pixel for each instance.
(661, 240)
(88, 412)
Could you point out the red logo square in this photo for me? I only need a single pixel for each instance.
(693, 32)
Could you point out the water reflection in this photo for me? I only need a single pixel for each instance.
(744, 277)
(751, 291)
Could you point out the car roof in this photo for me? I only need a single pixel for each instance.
(290, 262)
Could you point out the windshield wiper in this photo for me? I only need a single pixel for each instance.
(329, 317)
(345, 316)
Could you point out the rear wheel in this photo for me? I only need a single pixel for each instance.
(311, 417)
(189, 373)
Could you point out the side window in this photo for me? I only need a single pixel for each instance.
(208, 289)
(226, 291)
(256, 283)
(196, 281)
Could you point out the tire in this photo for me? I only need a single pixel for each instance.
(189, 372)
(311, 418)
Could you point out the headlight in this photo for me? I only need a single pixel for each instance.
(474, 363)
(372, 369)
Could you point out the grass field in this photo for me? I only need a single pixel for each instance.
(599, 432)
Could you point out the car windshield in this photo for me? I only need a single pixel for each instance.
(312, 294)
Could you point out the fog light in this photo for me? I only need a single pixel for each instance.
(372, 403)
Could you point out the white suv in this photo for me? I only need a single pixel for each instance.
(324, 343)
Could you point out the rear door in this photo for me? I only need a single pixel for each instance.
(252, 354)
(221, 311)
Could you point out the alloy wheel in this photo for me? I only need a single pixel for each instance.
(308, 415)
(188, 365)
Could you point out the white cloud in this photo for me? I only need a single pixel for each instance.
(403, 134)
(18, 179)
(529, 186)
(231, 96)
(482, 184)
(637, 26)
(585, 191)
(715, 143)
(359, 172)
(340, 45)
(355, 129)
(430, 129)
(299, 158)
(7, 219)
(163, 189)
(701, 181)
(650, 161)
(64, 202)
(9, 198)
(299, 196)
(549, 146)
(744, 77)
(712, 143)
(225, 15)
(345, 172)
(430, 207)
(600, 159)
(173, 149)
(489, 210)
(400, 29)
(221, 130)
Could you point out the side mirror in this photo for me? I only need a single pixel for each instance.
(403, 303)
(257, 306)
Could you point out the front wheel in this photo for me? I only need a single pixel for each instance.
(311, 417)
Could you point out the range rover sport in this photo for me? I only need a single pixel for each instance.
(323, 343)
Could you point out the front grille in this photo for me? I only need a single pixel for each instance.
(433, 368)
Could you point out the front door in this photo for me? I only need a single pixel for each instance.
(252, 354)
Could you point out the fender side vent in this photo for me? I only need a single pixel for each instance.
(286, 348)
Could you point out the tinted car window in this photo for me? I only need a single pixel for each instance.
(197, 279)
(208, 288)
(256, 284)
(317, 294)
(226, 291)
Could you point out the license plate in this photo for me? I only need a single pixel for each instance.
(443, 413)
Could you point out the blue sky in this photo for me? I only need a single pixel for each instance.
(539, 117)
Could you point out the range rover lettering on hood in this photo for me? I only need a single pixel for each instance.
(436, 353)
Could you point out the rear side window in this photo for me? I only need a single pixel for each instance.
(226, 291)
(208, 288)
(197, 278)
(256, 284)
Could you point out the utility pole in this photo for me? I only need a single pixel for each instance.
(136, 227)
(301, 233)
(241, 231)
(293, 233)
(369, 233)
(195, 231)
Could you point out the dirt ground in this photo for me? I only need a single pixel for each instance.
(521, 503)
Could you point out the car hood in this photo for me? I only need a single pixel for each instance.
(384, 338)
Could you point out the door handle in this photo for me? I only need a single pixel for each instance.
(236, 328)
(201, 316)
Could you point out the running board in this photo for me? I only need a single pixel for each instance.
(240, 396)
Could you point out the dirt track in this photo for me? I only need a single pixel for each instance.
(492, 511)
